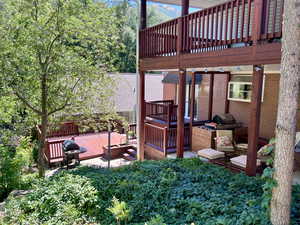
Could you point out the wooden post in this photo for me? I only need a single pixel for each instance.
(192, 106)
(142, 116)
(141, 92)
(253, 129)
(227, 101)
(185, 4)
(211, 94)
(143, 14)
(180, 114)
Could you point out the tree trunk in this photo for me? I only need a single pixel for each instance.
(286, 117)
(44, 128)
(41, 161)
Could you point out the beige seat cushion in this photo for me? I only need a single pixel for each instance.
(242, 161)
(209, 153)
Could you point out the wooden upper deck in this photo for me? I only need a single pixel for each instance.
(238, 32)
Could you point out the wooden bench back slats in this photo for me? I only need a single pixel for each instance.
(54, 150)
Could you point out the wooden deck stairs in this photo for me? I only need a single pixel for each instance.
(130, 154)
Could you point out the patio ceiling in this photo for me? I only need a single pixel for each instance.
(193, 3)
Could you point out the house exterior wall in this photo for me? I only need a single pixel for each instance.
(240, 110)
(169, 92)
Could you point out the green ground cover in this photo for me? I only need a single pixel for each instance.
(154, 192)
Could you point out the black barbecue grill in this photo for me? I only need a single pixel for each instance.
(71, 152)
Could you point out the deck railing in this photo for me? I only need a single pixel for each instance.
(272, 19)
(64, 129)
(162, 110)
(223, 26)
(132, 129)
(160, 39)
(163, 138)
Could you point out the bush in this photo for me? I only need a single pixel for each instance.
(63, 199)
(156, 192)
(12, 161)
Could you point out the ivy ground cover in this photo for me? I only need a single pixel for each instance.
(179, 192)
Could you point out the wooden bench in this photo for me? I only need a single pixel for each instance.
(54, 153)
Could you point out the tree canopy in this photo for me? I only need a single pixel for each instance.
(55, 56)
(128, 17)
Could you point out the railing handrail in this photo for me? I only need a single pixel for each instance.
(215, 6)
(166, 22)
(154, 126)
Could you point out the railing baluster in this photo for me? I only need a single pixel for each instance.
(221, 28)
(243, 20)
(207, 28)
(237, 20)
(195, 31)
(249, 19)
(203, 29)
(212, 28)
(217, 27)
(231, 22)
(274, 18)
(226, 21)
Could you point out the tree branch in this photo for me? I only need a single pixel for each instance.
(24, 100)
(67, 100)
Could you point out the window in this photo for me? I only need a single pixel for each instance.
(240, 88)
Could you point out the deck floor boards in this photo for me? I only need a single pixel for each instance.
(93, 142)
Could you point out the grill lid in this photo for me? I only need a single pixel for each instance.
(70, 145)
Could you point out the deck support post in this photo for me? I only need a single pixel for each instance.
(185, 4)
(180, 114)
(142, 116)
(141, 90)
(143, 14)
(211, 95)
(253, 129)
(192, 106)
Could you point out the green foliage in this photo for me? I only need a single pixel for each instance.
(63, 199)
(12, 161)
(127, 14)
(119, 210)
(157, 220)
(176, 192)
(66, 44)
(267, 152)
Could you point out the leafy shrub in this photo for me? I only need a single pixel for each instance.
(176, 192)
(63, 199)
(119, 210)
(12, 161)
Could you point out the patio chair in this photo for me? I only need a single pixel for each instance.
(224, 141)
(239, 163)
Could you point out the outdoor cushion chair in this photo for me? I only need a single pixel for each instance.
(210, 154)
(241, 161)
(224, 141)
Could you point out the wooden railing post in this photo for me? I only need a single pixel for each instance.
(257, 20)
(165, 144)
(180, 114)
(142, 115)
